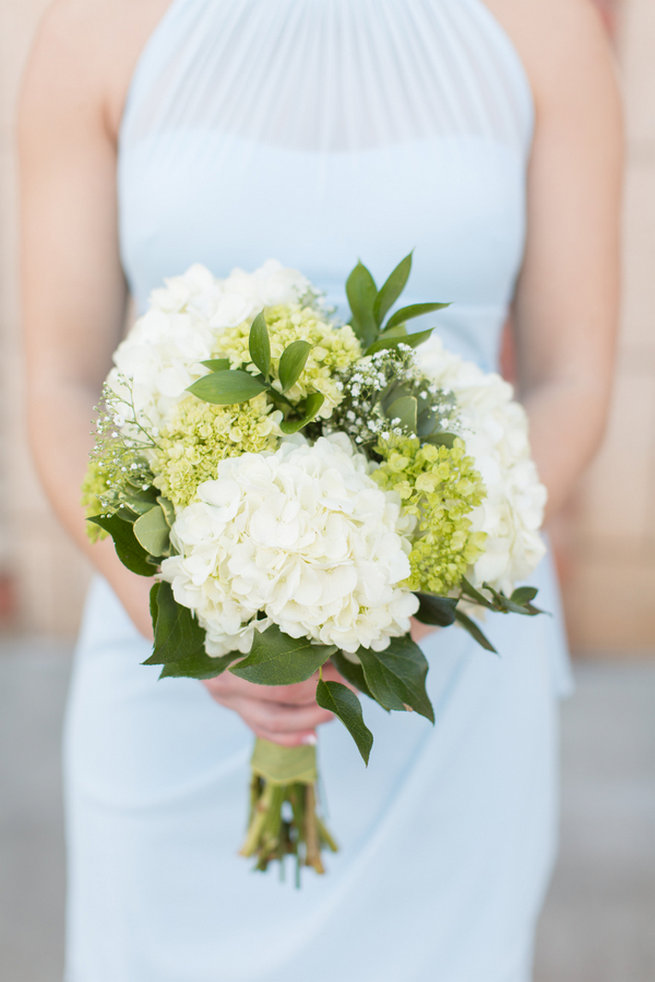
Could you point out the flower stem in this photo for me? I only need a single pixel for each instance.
(283, 818)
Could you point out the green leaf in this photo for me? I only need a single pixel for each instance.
(180, 641)
(292, 425)
(473, 629)
(441, 439)
(362, 292)
(499, 602)
(277, 659)
(470, 592)
(259, 344)
(399, 331)
(531, 610)
(392, 288)
(393, 340)
(225, 388)
(413, 310)
(507, 606)
(292, 362)
(140, 501)
(196, 666)
(524, 595)
(352, 672)
(311, 406)
(217, 364)
(153, 532)
(154, 606)
(396, 676)
(405, 409)
(128, 549)
(341, 701)
(434, 609)
(168, 509)
(313, 403)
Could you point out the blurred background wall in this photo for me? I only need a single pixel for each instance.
(606, 539)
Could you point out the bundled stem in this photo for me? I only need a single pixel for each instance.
(283, 809)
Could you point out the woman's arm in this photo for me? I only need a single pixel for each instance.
(74, 297)
(565, 309)
(73, 289)
(566, 306)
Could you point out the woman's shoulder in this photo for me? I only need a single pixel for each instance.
(562, 43)
(84, 52)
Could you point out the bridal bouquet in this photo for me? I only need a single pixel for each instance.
(300, 489)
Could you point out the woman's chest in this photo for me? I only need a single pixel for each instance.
(215, 198)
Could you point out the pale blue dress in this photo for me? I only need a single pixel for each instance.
(317, 132)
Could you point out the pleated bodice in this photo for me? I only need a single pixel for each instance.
(323, 131)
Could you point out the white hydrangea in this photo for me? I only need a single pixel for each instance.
(495, 428)
(303, 535)
(158, 360)
(195, 291)
(162, 354)
(269, 285)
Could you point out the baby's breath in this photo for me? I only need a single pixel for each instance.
(372, 385)
(119, 464)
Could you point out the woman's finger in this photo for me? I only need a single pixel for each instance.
(287, 739)
(280, 719)
(298, 694)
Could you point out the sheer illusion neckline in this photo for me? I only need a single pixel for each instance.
(348, 35)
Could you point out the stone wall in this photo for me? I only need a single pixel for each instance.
(606, 541)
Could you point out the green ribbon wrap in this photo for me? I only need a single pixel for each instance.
(283, 808)
(284, 765)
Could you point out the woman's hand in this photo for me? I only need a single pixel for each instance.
(284, 714)
(419, 631)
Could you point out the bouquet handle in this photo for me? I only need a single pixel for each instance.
(284, 817)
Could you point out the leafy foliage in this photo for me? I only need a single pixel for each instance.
(362, 294)
(340, 700)
(369, 306)
(128, 548)
(293, 360)
(520, 602)
(396, 676)
(229, 386)
(436, 610)
(179, 640)
(352, 672)
(224, 388)
(152, 531)
(277, 659)
(259, 344)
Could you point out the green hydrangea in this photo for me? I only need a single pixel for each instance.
(440, 486)
(333, 350)
(200, 434)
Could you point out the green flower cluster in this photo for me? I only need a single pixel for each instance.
(440, 486)
(200, 434)
(333, 350)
